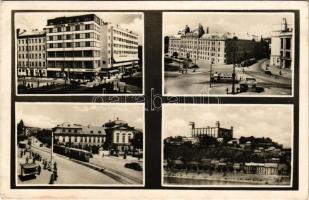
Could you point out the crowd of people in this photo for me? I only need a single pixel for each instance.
(47, 164)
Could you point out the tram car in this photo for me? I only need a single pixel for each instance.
(77, 154)
(28, 170)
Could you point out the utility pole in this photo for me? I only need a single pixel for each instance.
(233, 74)
(52, 150)
(210, 73)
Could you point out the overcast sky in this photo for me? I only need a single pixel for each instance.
(241, 23)
(49, 115)
(38, 20)
(274, 122)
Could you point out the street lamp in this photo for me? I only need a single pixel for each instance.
(234, 74)
(52, 150)
(210, 73)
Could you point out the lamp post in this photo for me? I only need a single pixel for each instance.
(233, 74)
(210, 73)
(52, 150)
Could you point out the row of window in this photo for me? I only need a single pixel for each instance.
(83, 139)
(91, 53)
(32, 48)
(123, 138)
(31, 40)
(74, 36)
(31, 64)
(125, 52)
(124, 46)
(79, 27)
(74, 64)
(74, 44)
(204, 42)
(124, 34)
(124, 40)
(31, 55)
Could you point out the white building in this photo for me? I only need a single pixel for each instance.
(282, 47)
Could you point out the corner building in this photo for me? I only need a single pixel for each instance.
(87, 47)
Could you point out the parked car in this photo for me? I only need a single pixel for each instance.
(134, 165)
(268, 72)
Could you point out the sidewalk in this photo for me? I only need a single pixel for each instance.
(287, 73)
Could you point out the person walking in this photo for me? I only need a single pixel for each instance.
(39, 169)
(27, 159)
(51, 180)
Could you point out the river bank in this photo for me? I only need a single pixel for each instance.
(203, 178)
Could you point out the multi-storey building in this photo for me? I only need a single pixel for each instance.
(216, 132)
(87, 47)
(31, 53)
(78, 134)
(119, 50)
(282, 47)
(215, 48)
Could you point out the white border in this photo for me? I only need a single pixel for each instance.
(254, 11)
(227, 105)
(81, 185)
(80, 12)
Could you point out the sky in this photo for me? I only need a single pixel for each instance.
(38, 20)
(49, 115)
(241, 23)
(274, 122)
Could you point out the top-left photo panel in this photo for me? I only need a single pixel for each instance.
(78, 53)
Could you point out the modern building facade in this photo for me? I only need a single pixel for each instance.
(217, 48)
(282, 46)
(31, 53)
(78, 134)
(87, 47)
(216, 132)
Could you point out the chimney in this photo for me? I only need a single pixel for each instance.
(207, 29)
(17, 31)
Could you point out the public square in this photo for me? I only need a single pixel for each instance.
(197, 81)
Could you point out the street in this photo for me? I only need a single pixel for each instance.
(176, 83)
(69, 172)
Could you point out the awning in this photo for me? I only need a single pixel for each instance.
(113, 71)
(124, 58)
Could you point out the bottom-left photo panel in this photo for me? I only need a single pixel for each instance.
(79, 144)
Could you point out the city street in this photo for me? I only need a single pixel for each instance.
(197, 82)
(69, 172)
(116, 165)
(41, 85)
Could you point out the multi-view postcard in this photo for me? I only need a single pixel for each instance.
(227, 145)
(79, 53)
(230, 53)
(60, 144)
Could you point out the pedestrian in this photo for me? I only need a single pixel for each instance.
(227, 90)
(33, 159)
(55, 165)
(39, 169)
(27, 159)
(55, 175)
(51, 180)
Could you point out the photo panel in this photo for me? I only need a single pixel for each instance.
(79, 144)
(79, 53)
(228, 53)
(230, 145)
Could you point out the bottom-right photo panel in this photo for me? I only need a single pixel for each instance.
(227, 145)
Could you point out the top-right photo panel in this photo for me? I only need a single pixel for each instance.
(228, 53)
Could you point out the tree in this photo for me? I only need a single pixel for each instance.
(20, 127)
(137, 141)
